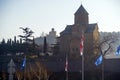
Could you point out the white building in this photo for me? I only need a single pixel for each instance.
(51, 38)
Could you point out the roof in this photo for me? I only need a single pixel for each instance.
(81, 9)
(67, 30)
(91, 27)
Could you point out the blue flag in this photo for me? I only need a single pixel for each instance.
(118, 51)
(23, 63)
(99, 60)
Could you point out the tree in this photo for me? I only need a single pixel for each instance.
(27, 34)
(45, 46)
(15, 41)
(18, 74)
(20, 41)
(106, 44)
(3, 47)
(40, 72)
(34, 70)
(106, 47)
(26, 37)
(3, 41)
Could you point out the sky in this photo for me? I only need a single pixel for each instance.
(42, 15)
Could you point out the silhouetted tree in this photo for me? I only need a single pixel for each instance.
(15, 41)
(20, 41)
(15, 46)
(106, 47)
(27, 34)
(106, 44)
(2, 47)
(3, 41)
(45, 46)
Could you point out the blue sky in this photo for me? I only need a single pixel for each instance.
(42, 15)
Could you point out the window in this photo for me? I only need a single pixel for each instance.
(76, 49)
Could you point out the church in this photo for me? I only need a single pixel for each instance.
(71, 35)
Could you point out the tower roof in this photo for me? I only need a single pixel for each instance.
(81, 10)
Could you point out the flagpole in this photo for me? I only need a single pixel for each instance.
(103, 68)
(82, 67)
(66, 75)
(81, 51)
(66, 67)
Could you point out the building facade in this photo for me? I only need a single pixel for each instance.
(51, 38)
(70, 37)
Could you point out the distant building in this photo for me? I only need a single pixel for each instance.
(51, 38)
(70, 37)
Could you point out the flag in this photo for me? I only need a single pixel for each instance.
(66, 64)
(118, 51)
(23, 63)
(99, 60)
(81, 45)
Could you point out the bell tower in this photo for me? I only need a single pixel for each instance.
(81, 16)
